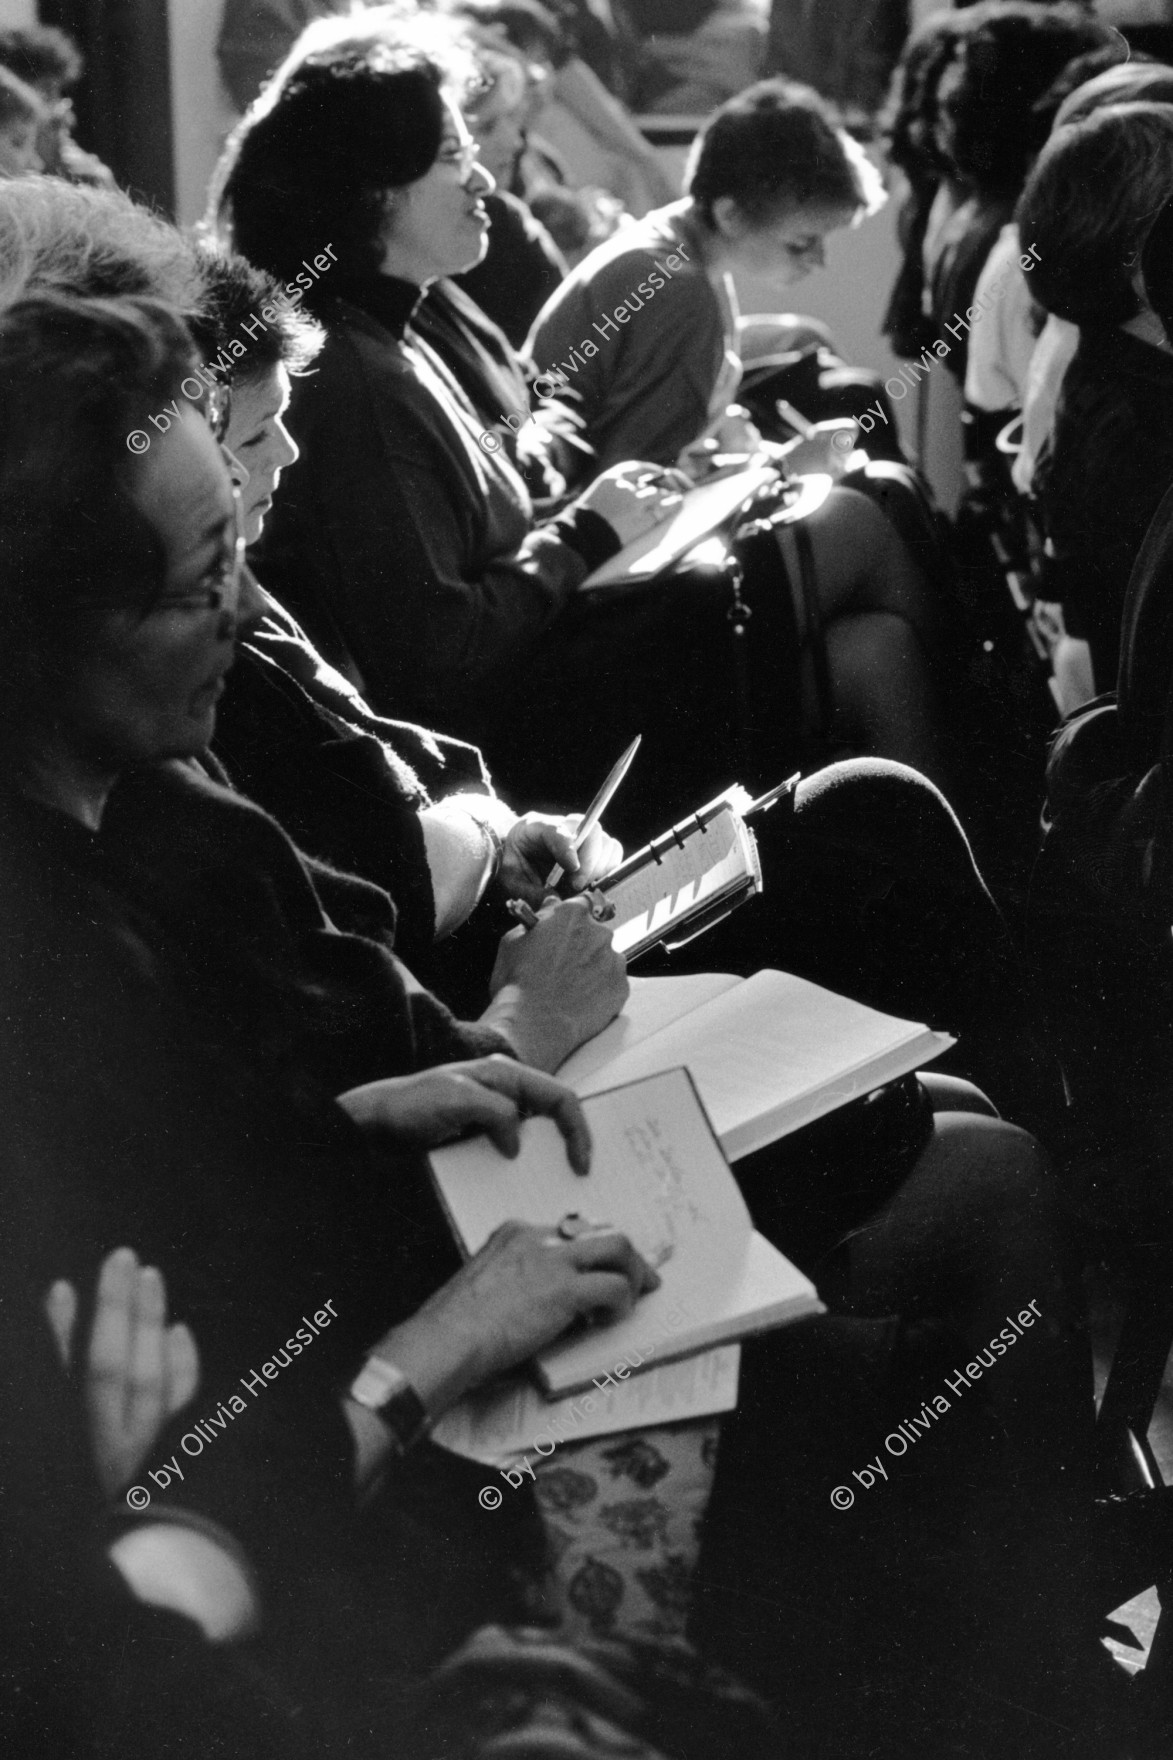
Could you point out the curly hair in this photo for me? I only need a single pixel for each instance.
(1088, 206)
(69, 238)
(76, 377)
(908, 120)
(311, 162)
(777, 147)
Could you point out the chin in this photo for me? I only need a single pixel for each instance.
(476, 252)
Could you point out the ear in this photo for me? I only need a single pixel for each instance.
(728, 220)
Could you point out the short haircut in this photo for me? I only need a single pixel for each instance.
(76, 377)
(1006, 61)
(19, 102)
(308, 165)
(41, 55)
(69, 238)
(1088, 207)
(776, 148)
(235, 295)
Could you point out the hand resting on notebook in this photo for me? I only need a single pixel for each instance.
(520, 1292)
(490, 1094)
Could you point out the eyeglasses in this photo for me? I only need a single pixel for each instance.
(219, 408)
(461, 154)
(221, 585)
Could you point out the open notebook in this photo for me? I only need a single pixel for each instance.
(768, 1053)
(658, 1174)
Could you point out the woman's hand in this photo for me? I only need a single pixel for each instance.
(825, 452)
(490, 1094)
(539, 841)
(138, 1371)
(556, 985)
(633, 498)
(733, 433)
(517, 1295)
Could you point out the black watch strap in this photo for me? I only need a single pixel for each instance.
(386, 1391)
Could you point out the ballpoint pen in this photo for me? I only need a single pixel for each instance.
(598, 806)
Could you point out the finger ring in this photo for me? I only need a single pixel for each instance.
(603, 911)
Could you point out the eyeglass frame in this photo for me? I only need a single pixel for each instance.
(464, 156)
(211, 598)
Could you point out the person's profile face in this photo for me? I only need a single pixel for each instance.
(146, 685)
(260, 443)
(438, 225)
(498, 128)
(790, 247)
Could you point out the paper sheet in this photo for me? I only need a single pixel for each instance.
(504, 1421)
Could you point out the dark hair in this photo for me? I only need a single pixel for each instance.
(774, 147)
(908, 119)
(308, 165)
(1088, 207)
(1109, 62)
(40, 54)
(76, 378)
(1156, 262)
(1013, 51)
(235, 295)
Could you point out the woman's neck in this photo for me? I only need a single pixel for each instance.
(58, 777)
(1147, 327)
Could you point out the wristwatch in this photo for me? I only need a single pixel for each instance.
(386, 1391)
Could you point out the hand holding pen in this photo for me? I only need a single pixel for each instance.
(600, 804)
(601, 909)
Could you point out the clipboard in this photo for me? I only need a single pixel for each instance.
(705, 511)
(689, 902)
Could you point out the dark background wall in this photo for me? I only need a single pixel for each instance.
(124, 99)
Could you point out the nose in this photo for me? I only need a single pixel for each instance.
(288, 452)
(817, 255)
(480, 181)
(236, 470)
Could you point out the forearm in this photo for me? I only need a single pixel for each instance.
(439, 1367)
(462, 836)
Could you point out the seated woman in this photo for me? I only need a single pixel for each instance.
(522, 265)
(1109, 458)
(769, 178)
(871, 885)
(397, 463)
(993, 107)
(169, 946)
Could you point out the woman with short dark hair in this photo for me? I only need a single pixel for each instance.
(770, 176)
(404, 539)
